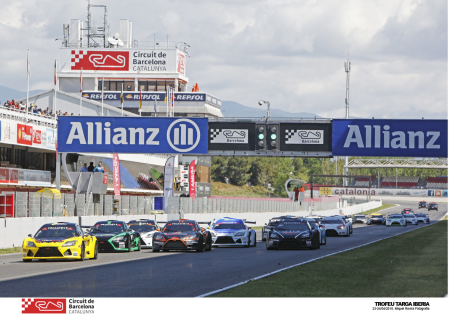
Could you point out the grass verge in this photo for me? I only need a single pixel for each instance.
(222, 189)
(410, 265)
(10, 250)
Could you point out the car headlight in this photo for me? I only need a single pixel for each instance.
(160, 238)
(239, 234)
(31, 244)
(303, 235)
(71, 243)
(120, 238)
(275, 236)
(191, 238)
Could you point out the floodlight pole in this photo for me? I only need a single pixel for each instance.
(347, 103)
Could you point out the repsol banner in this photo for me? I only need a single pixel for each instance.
(132, 135)
(378, 192)
(383, 137)
(146, 96)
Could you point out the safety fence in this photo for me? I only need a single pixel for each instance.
(53, 205)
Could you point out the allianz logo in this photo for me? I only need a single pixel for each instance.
(183, 135)
(377, 136)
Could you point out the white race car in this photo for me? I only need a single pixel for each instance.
(396, 219)
(232, 232)
(335, 225)
(146, 229)
(411, 218)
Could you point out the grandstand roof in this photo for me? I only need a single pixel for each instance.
(399, 163)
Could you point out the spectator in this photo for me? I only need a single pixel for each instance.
(99, 168)
(22, 106)
(302, 189)
(84, 168)
(296, 191)
(91, 167)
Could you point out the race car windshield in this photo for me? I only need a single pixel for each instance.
(142, 227)
(421, 215)
(179, 227)
(396, 216)
(331, 221)
(292, 227)
(108, 228)
(377, 216)
(409, 216)
(274, 222)
(359, 216)
(53, 231)
(228, 226)
(433, 204)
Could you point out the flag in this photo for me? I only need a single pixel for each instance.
(156, 86)
(121, 96)
(140, 101)
(196, 87)
(81, 80)
(55, 71)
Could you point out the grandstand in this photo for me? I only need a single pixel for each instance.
(440, 182)
(400, 182)
(403, 182)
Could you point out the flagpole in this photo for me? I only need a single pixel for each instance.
(103, 94)
(28, 81)
(122, 99)
(54, 105)
(167, 103)
(81, 88)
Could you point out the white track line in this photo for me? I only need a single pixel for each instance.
(305, 262)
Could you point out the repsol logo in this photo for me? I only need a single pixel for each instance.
(377, 136)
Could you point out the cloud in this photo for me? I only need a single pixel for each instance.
(288, 52)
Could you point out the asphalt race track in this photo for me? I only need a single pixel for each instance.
(174, 274)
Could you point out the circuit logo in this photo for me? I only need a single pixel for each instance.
(99, 60)
(44, 306)
(183, 135)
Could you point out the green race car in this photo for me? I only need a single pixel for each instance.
(115, 236)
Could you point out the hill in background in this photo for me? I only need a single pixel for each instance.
(234, 109)
(7, 93)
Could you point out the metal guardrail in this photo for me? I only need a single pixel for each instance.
(22, 116)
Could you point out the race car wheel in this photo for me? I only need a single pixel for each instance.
(201, 247)
(129, 244)
(209, 244)
(95, 251)
(318, 242)
(325, 243)
(347, 234)
(254, 239)
(27, 260)
(267, 245)
(155, 250)
(248, 242)
(405, 224)
(139, 244)
(83, 251)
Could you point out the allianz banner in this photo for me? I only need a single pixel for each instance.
(390, 137)
(132, 135)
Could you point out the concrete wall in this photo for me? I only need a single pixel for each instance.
(14, 230)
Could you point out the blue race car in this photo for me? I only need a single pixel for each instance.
(423, 217)
(232, 232)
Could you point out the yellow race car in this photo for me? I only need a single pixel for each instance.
(62, 240)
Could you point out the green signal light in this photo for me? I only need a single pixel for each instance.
(273, 136)
(261, 136)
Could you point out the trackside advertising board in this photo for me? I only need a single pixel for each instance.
(386, 137)
(132, 135)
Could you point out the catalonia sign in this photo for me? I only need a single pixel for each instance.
(132, 135)
(383, 137)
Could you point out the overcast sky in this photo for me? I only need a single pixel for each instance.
(290, 53)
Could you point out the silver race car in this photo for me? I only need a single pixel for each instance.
(396, 219)
(146, 229)
(232, 232)
(411, 218)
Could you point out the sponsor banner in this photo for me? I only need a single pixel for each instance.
(28, 135)
(146, 96)
(125, 61)
(230, 136)
(192, 192)
(378, 192)
(325, 190)
(438, 193)
(431, 193)
(383, 137)
(125, 135)
(169, 173)
(307, 137)
(116, 176)
(445, 193)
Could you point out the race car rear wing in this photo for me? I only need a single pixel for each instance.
(251, 222)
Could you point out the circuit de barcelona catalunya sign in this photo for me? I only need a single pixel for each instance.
(386, 137)
(132, 135)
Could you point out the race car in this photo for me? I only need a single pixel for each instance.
(348, 220)
(359, 218)
(334, 225)
(423, 217)
(411, 218)
(232, 232)
(376, 218)
(273, 223)
(146, 229)
(396, 219)
(182, 234)
(423, 204)
(432, 206)
(62, 240)
(115, 235)
(407, 211)
(293, 234)
(315, 224)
